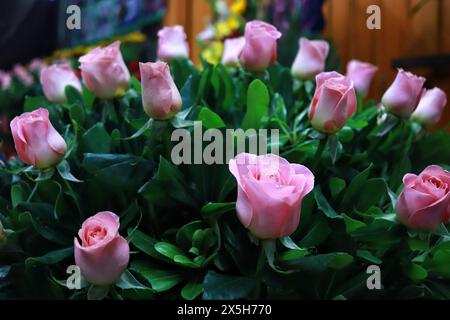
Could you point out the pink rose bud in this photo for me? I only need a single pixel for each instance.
(5, 80)
(103, 254)
(361, 73)
(54, 80)
(37, 142)
(310, 59)
(260, 49)
(24, 76)
(104, 71)
(160, 97)
(402, 97)
(425, 200)
(172, 44)
(270, 193)
(431, 107)
(231, 51)
(333, 103)
(37, 65)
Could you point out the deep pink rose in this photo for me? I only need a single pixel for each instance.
(310, 59)
(260, 49)
(104, 71)
(37, 142)
(270, 193)
(361, 73)
(5, 80)
(431, 107)
(22, 74)
(231, 51)
(333, 103)
(172, 44)
(425, 200)
(160, 96)
(402, 97)
(103, 254)
(54, 80)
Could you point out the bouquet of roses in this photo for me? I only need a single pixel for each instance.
(243, 180)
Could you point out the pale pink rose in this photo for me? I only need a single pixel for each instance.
(231, 51)
(333, 103)
(22, 74)
(37, 142)
(270, 193)
(172, 44)
(402, 97)
(37, 65)
(104, 71)
(5, 80)
(361, 73)
(103, 254)
(260, 49)
(425, 200)
(54, 80)
(310, 59)
(431, 107)
(160, 96)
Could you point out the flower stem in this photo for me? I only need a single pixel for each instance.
(319, 152)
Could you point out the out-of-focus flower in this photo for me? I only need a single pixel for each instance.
(213, 52)
(5, 80)
(172, 44)
(431, 107)
(22, 74)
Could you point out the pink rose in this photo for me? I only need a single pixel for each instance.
(270, 193)
(260, 49)
(5, 80)
(54, 80)
(22, 74)
(103, 254)
(231, 51)
(37, 142)
(37, 65)
(172, 44)
(431, 106)
(402, 97)
(310, 59)
(361, 73)
(160, 96)
(333, 103)
(425, 200)
(104, 71)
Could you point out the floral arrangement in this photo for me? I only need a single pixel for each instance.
(119, 189)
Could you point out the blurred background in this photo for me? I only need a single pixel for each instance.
(414, 35)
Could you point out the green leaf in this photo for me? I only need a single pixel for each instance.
(33, 103)
(289, 243)
(215, 210)
(96, 139)
(370, 194)
(192, 290)
(386, 126)
(18, 195)
(352, 224)
(76, 113)
(161, 279)
(257, 105)
(64, 170)
(146, 127)
(51, 257)
(144, 243)
(73, 95)
(210, 119)
(337, 185)
(226, 287)
(369, 257)
(417, 272)
(136, 85)
(334, 147)
(320, 262)
(176, 254)
(323, 204)
(128, 281)
(97, 292)
(353, 190)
